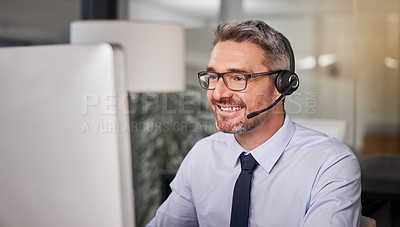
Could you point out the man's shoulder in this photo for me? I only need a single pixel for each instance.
(323, 151)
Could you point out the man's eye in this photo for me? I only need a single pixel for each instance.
(239, 78)
(213, 77)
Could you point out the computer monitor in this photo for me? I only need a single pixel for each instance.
(64, 137)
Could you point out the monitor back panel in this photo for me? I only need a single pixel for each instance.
(63, 138)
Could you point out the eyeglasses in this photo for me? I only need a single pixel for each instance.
(235, 81)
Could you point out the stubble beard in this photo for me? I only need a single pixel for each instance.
(242, 126)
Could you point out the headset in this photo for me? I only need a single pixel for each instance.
(286, 81)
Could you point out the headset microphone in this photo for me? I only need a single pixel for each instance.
(294, 84)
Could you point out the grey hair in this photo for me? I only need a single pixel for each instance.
(276, 55)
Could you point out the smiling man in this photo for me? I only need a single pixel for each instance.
(261, 169)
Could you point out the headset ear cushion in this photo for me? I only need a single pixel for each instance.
(283, 81)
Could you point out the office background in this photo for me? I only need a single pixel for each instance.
(347, 57)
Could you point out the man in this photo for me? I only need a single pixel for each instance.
(298, 177)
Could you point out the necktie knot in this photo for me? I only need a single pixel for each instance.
(247, 162)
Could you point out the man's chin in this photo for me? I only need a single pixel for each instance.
(230, 127)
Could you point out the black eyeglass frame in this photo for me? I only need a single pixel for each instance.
(246, 75)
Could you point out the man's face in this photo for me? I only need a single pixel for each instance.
(231, 107)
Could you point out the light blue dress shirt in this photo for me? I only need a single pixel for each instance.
(305, 178)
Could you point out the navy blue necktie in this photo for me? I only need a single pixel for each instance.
(241, 193)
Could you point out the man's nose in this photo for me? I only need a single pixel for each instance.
(221, 90)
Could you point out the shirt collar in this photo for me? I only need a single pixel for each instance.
(268, 153)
